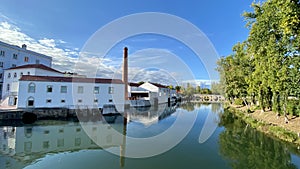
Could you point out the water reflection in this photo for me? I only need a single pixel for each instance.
(233, 144)
(24, 145)
(151, 115)
(245, 147)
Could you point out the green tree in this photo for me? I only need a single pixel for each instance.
(178, 89)
(274, 29)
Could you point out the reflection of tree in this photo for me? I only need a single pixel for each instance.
(248, 148)
(188, 106)
(216, 107)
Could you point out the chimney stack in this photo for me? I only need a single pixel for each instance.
(125, 72)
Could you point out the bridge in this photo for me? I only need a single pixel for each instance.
(207, 98)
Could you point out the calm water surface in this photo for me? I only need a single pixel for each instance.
(65, 144)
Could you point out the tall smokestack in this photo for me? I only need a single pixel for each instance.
(125, 72)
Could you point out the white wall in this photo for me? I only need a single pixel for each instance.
(72, 97)
(162, 93)
(8, 59)
(12, 79)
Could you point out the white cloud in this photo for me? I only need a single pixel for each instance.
(155, 65)
(47, 42)
(63, 59)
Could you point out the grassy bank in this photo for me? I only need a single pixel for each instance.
(270, 126)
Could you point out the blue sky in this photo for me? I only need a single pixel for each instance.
(61, 28)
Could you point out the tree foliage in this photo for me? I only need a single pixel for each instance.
(265, 68)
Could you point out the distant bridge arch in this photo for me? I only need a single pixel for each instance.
(208, 98)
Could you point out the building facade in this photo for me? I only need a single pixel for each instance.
(13, 56)
(11, 78)
(69, 92)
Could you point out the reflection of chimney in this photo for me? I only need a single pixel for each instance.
(125, 72)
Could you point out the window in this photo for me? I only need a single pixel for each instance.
(63, 89)
(61, 130)
(46, 132)
(8, 76)
(28, 73)
(13, 65)
(48, 101)
(28, 132)
(1, 64)
(93, 142)
(79, 101)
(2, 53)
(31, 88)
(49, 89)
(110, 90)
(80, 89)
(110, 100)
(15, 56)
(21, 74)
(46, 144)
(8, 87)
(30, 102)
(63, 101)
(77, 141)
(78, 129)
(15, 75)
(26, 59)
(27, 146)
(96, 90)
(60, 142)
(1, 75)
(95, 100)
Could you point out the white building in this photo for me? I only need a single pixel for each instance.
(70, 92)
(39, 86)
(152, 92)
(13, 56)
(12, 75)
(158, 91)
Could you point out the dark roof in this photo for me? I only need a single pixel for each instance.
(37, 66)
(159, 85)
(69, 79)
(134, 84)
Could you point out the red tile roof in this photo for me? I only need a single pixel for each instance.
(69, 79)
(37, 66)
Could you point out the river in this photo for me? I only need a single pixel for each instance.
(186, 136)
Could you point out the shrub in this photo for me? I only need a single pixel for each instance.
(293, 107)
(238, 101)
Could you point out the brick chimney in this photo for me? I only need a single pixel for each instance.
(125, 72)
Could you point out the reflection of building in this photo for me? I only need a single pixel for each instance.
(12, 56)
(28, 143)
(151, 115)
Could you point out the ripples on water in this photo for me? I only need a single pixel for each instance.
(66, 144)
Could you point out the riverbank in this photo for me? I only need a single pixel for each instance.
(269, 123)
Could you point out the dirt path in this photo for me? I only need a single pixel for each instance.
(270, 117)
